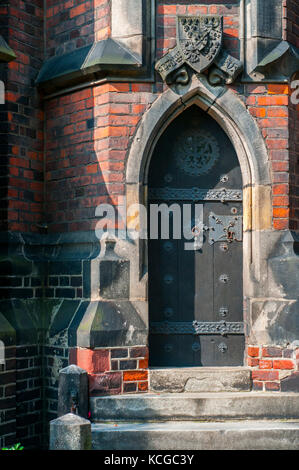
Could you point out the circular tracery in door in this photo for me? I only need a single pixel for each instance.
(196, 293)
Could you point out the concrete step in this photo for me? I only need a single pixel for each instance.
(195, 406)
(250, 435)
(200, 379)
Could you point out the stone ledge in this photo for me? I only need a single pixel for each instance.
(214, 379)
(254, 435)
(6, 53)
(195, 407)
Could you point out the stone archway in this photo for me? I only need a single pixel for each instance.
(224, 106)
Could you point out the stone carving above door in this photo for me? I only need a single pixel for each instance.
(199, 48)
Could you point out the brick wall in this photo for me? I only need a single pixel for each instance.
(75, 23)
(291, 21)
(269, 105)
(29, 395)
(23, 120)
(271, 365)
(113, 371)
(89, 133)
(8, 431)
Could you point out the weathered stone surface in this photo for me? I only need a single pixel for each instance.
(290, 383)
(127, 24)
(254, 435)
(111, 323)
(196, 406)
(114, 274)
(73, 391)
(200, 379)
(70, 432)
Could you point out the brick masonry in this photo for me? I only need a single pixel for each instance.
(270, 365)
(8, 427)
(113, 371)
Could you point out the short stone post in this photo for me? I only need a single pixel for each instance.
(73, 391)
(70, 432)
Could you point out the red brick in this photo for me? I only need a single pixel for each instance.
(253, 351)
(143, 364)
(105, 384)
(271, 352)
(283, 364)
(280, 189)
(258, 112)
(94, 168)
(280, 201)
(79, 10)
(134, 375)
(258, 386)
(281, 224)
(197, 10)
(280, 212)
(93, 361)
(231, 32)
(265, 364)
(252, 362)
(272, 386)
(139, 351)
(166, 9)
(265, 375)
(251, 101)
(272, 100)
(273, 122)
(280, 166)
(277, 112)
(143, 386)
(278, 89)
(213, 10)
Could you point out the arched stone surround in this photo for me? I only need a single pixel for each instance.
(268, 308)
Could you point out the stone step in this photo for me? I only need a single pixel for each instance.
(195, 406)
(250, 435)
(200, 379)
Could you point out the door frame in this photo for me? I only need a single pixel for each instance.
(222, 104)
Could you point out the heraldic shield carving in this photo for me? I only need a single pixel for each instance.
(199, 40)
(199, 46)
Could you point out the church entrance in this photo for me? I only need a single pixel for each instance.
(195, 246)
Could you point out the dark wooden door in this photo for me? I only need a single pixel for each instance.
(195, 295)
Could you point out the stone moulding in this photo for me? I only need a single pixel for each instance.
(6, 53)
(199, 47)
(262, 279)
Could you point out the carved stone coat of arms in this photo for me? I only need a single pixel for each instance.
(199, 46)
(199, 40)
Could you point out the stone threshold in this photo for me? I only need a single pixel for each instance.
(200, 379)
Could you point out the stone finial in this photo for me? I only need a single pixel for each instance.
(70, 432)
(73, 391)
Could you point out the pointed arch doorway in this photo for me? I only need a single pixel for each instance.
(196, 295)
